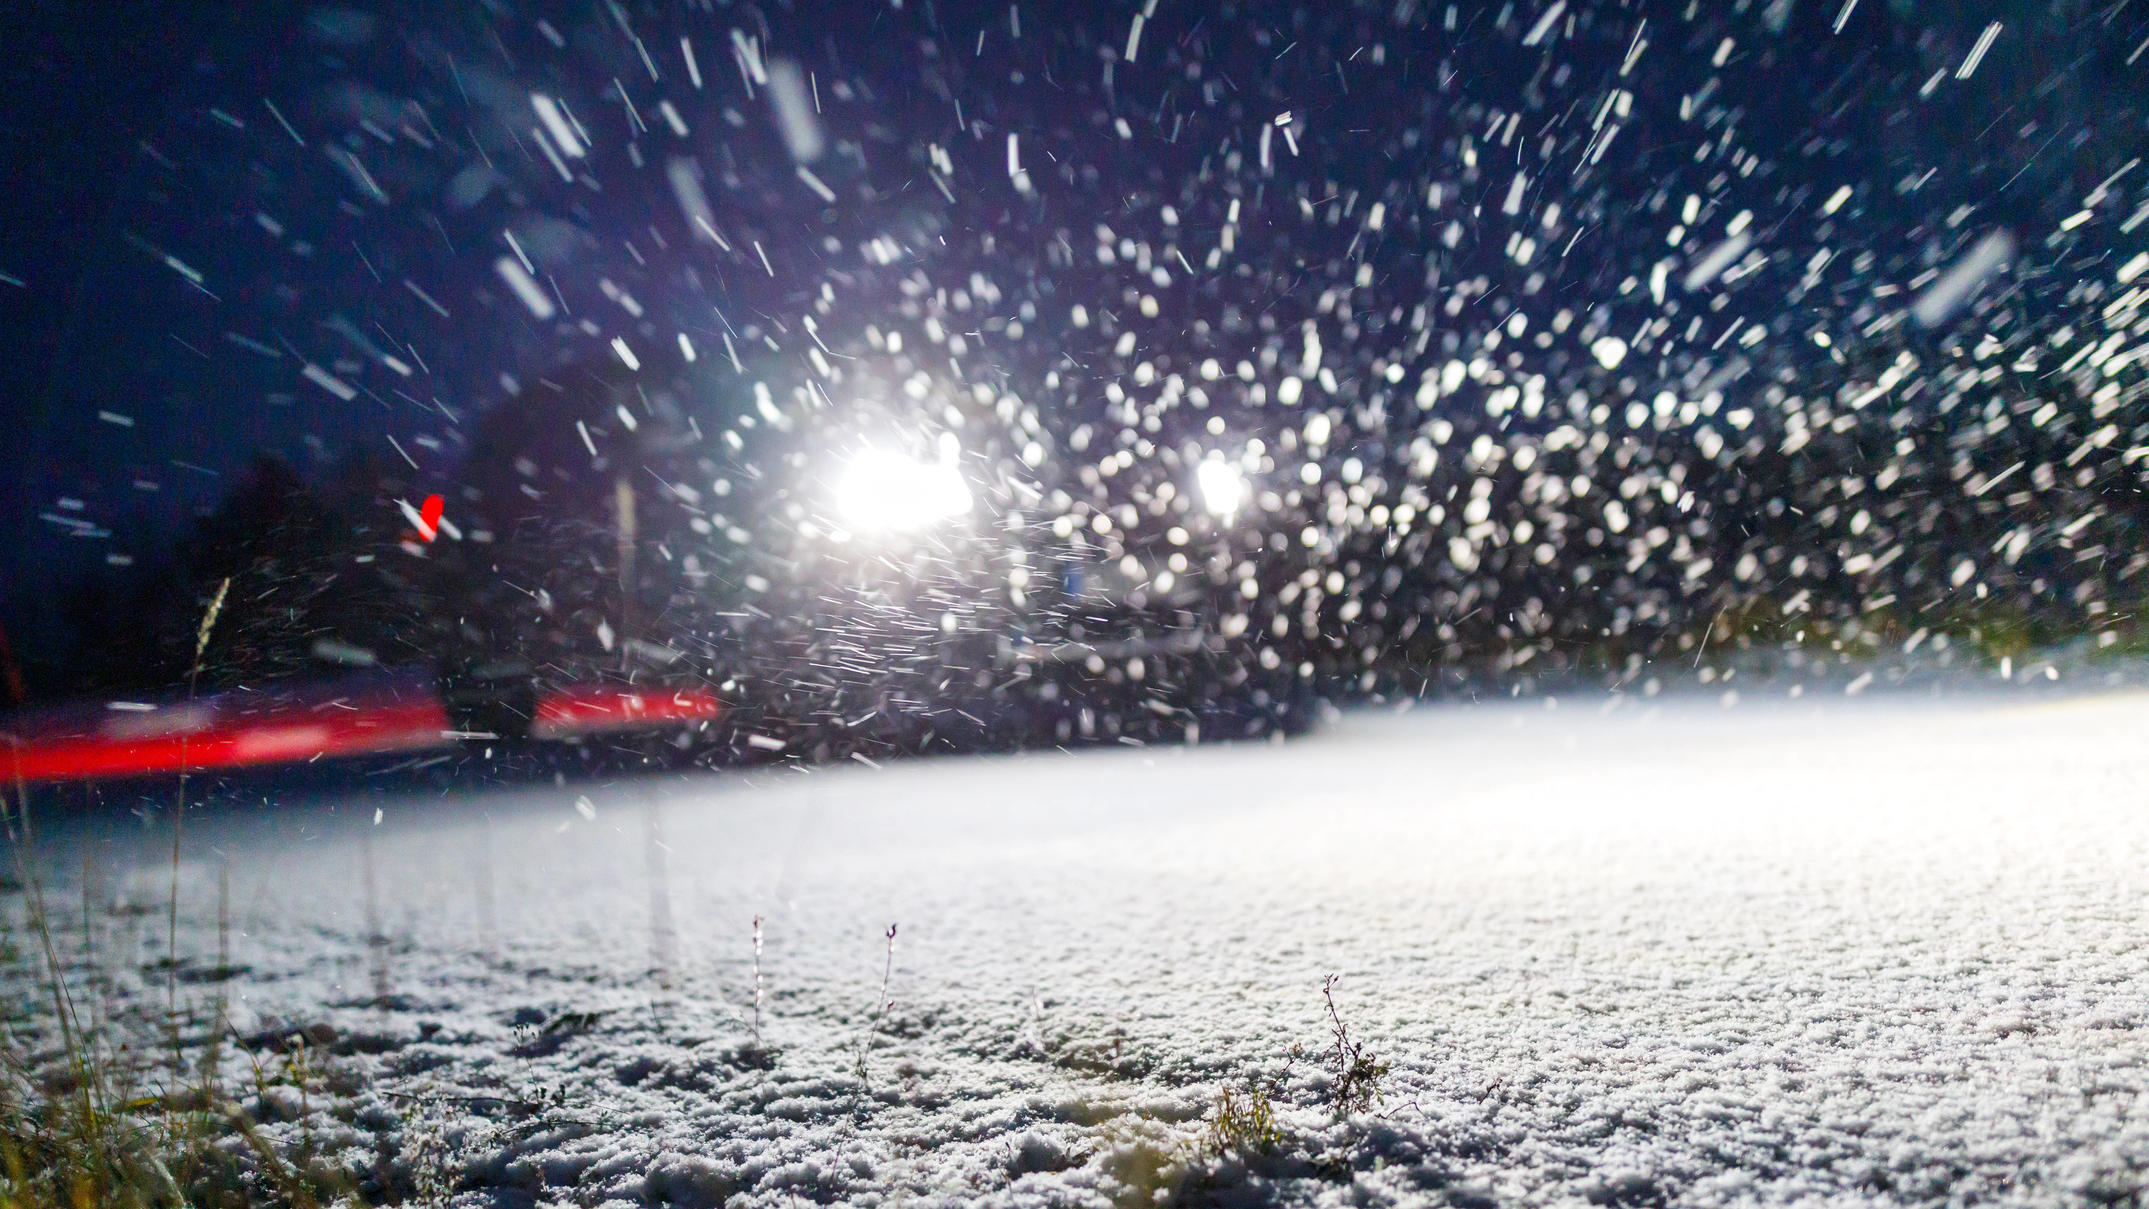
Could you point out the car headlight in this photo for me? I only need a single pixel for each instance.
(882, 491)
(1222, 486)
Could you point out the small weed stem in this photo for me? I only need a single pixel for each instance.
(1358, 1075)
(757, 982)
(880, 1007)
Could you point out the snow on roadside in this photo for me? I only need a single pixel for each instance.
(1872, 949)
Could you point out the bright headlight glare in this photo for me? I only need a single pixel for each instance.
(1222, 487)
(880, 491)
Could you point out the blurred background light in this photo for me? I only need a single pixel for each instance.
(1222, 485)
(881, 491)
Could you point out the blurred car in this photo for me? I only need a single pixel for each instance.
(876, 577)
(365, 714)
(1056, 625)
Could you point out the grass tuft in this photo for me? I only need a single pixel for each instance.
(83, 1122)
(1242, 1122)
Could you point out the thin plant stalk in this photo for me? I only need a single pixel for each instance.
(757, 982)
(19, 838)
(179, 809)
(880, 1006)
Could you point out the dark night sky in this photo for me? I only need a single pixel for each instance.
(102, 146)
(83, 85)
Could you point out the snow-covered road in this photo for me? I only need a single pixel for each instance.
(1874, 950)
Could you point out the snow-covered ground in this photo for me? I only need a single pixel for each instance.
(1876, 949)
